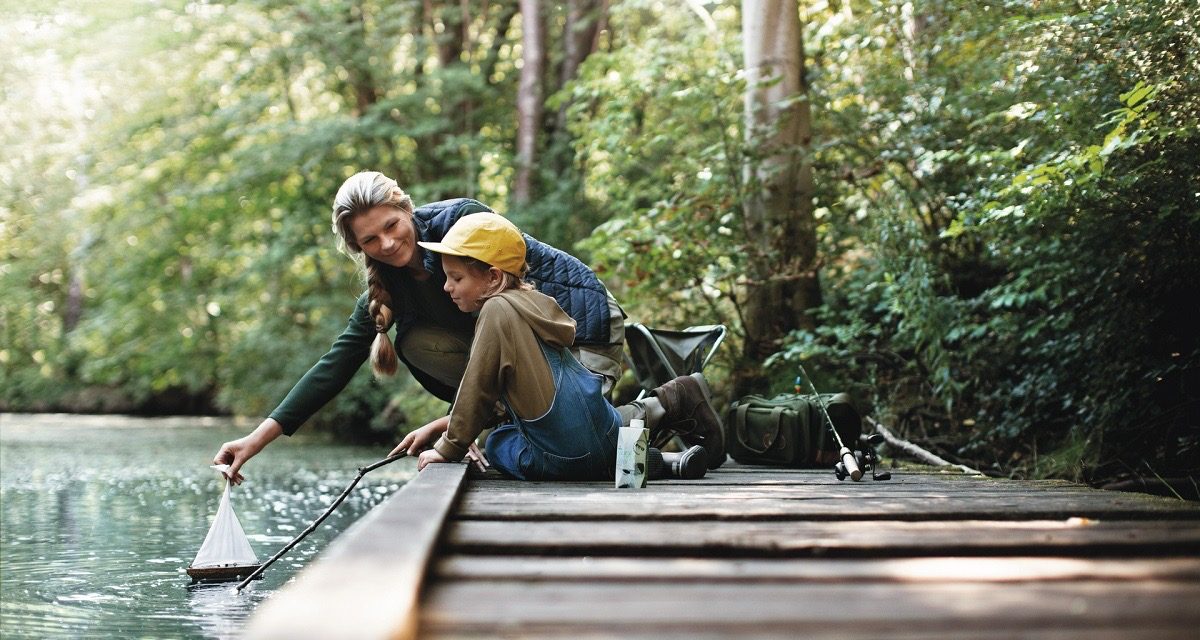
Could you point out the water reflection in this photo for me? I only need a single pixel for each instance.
(100, 516)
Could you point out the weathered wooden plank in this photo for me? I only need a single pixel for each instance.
(743, 474)
(848, 492)
(781, 488)
(674, 570)
(794, 477)
(807, 483)
(767, 474)
(755, 552)
(658, 502)
(855, 610)
(804, 538)
(838, 632)
(366, 584)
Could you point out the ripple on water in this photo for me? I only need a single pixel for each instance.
(46, 620)
(100, 523)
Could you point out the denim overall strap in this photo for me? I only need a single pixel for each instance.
(575, 440)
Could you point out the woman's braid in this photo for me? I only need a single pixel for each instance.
(383, 353)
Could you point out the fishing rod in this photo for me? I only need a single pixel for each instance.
(362, 471)
(849, 466)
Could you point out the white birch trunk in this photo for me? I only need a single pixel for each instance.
(779, 180)
(529, 99)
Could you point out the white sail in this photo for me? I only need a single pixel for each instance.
(226, 544)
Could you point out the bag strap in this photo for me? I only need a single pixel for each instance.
(740, 425)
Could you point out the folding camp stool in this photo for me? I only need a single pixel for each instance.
(658, 356)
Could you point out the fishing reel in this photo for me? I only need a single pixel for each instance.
(854, 463)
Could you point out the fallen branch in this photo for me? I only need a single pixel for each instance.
(915, 451)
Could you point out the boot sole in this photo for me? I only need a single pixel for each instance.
(693, 464)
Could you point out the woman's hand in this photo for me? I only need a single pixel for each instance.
(429, 457)
(422, 438)
(236, 453)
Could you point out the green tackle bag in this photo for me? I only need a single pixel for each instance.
(789, 429)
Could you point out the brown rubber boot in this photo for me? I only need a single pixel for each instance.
(689, 414)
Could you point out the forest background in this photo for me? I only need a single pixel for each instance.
(981, 217)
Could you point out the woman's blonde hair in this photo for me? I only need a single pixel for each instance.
(360, 193)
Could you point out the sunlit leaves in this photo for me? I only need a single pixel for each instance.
(1017, 255)
(658, 126)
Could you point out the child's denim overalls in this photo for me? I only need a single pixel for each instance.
(575, 440)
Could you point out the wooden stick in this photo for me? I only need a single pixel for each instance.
(313, 527)
(915, 451)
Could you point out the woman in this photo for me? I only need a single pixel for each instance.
(377, 226)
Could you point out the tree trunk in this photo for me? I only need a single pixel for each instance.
(783, 285)
(579, 41)
(579, 35)
(529, 99)
(453, 37)
(361, 80)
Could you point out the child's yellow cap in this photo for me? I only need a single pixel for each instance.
(484, 236)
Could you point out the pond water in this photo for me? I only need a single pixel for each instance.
(99, 516)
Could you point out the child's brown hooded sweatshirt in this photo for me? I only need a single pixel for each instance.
(507, 360)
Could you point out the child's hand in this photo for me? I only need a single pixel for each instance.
(422, 438)
(429, 457)
(476, 458)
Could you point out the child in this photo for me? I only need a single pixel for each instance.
(556, 423)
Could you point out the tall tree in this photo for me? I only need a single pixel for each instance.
(583, 21)
(778, 203)
(580, 28)
(529, 99)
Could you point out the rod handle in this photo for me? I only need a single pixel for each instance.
(851, 464)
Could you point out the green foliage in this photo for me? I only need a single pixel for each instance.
(45, 241)
(198, 221)
(1006, 202)
(658, 130)
(1026, 266)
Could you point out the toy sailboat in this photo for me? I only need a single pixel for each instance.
(225, 555)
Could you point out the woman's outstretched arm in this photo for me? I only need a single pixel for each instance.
(236, 453)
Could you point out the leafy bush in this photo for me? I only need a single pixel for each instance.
(1021, 292)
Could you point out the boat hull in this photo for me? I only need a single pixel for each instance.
(222, 574)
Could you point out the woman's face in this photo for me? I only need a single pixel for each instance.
(387, 234)
(465, 285)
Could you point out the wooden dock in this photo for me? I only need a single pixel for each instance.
(752, 552)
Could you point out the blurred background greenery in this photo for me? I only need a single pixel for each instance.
(1004, 201)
